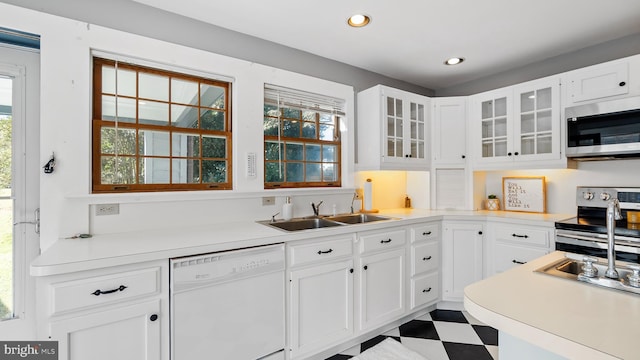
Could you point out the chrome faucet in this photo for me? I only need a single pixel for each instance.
(613, 214)
(316, 208)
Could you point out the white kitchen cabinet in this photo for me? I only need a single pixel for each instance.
(321, 295)
(513, 244)
(518, 126)
(381, 268)
(424, 282)
(392, 130)
(449, 129)
(597, 82)
(462, 257)
(321, 307)
(126, 332)
(113, 313)
(381, 288)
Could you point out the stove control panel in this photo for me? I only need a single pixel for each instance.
(599, 197)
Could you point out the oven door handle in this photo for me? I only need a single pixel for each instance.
(581, 237)
(595, 242)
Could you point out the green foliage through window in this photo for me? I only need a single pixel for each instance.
(301, 147)
(156, 130)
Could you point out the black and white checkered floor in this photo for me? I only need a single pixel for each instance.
(440, 335)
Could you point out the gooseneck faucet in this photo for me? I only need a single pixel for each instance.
(316, 208)
(613, 214)
(355, 196)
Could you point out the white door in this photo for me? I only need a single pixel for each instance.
(462, 255)
(321, 307)
(381, 288)
(123, 333)
(19, 189)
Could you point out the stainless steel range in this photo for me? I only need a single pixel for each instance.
(587, 232)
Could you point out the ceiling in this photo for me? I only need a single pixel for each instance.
(409, 40)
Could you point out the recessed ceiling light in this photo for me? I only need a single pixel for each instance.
(454, 61)
(358, 20)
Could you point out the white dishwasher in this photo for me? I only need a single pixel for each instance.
(228, 305)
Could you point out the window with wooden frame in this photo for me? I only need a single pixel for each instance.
(157, 130)
(302, 145)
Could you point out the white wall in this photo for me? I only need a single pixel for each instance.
(561, 184)
(66, 201)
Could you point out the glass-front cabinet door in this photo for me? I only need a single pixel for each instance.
(405, 124)
(495, 126)
(537, 120)
(517, 125)
(395, 143)
(393, 127)
(416, 130)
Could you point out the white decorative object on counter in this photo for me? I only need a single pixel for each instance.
(287, 209)
(492, 203)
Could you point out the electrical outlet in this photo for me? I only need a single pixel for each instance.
(107, 209)
(268, 200)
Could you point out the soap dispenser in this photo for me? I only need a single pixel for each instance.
(287, 209)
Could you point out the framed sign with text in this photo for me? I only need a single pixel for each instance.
(527, 194)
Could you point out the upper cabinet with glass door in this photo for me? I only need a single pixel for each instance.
(392, 130)
(518, 126)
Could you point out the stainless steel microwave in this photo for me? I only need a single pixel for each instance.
(607, 129)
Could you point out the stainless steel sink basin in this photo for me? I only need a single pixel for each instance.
(302, 224)
(315, 222)
(357, 218)
(571, 268)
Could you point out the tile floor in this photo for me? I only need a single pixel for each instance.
(440, 335)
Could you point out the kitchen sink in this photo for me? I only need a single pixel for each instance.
(315, 222)
(302, 224)
(357, 218)
(572, 268)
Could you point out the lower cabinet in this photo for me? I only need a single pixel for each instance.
(381, 267)
(462, 257)
(513, 244)
(381, 288)
(425, 257)
(321, 287)
(507, 256)
(342, 287)
(124, 333)
(321, 307)
(112, 313)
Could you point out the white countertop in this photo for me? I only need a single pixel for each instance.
(70, 255)
(569, 318)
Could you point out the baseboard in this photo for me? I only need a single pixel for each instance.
(450, 305)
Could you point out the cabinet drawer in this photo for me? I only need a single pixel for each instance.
(319, 251)
(382, 240)
(425, 289)
(425, 257)
(425, 233)
(508, 256)
(103, 290)
(523, 235)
